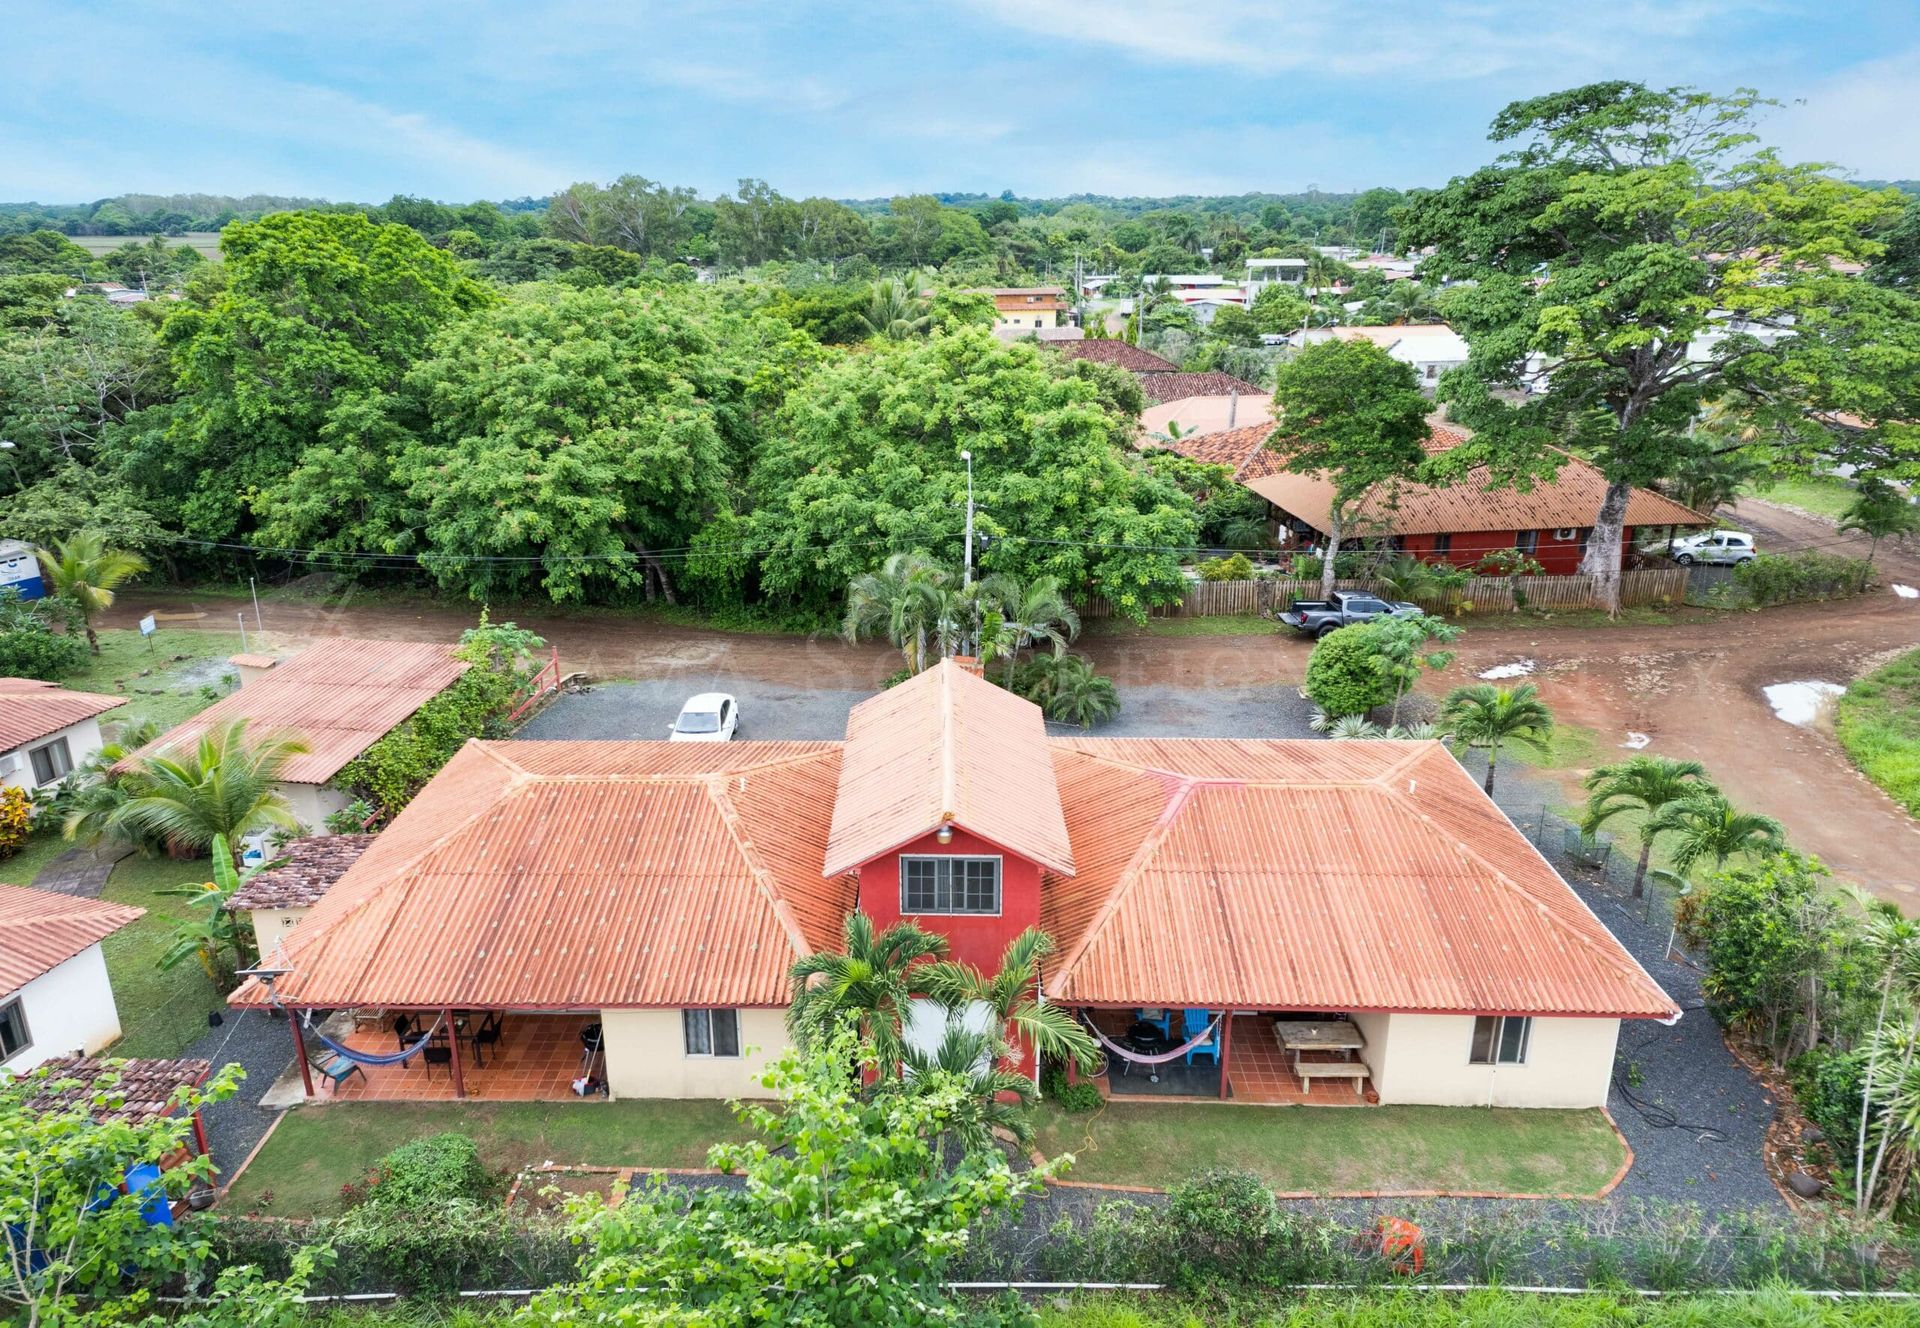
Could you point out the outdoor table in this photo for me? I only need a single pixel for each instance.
(1300, 1036)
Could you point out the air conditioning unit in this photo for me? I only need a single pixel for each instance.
(9, 762)
(1567, 534)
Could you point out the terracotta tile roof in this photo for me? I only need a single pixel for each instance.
(583, 875)
(312, 866)
(136, 1091)
(1198, 416)
(253, 661)
(1320, 876)
(1176, 386)
(1571, 498)
(33, 709)
(40, 930)
(1116, 352)
(341, 695)
(947, 746)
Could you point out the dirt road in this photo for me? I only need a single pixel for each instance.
(1692, 687)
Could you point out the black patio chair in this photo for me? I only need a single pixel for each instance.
(437, 1053)
(405, 1031)
(486, 1035)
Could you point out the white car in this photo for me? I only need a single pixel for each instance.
(1714, 546)
(708, 717)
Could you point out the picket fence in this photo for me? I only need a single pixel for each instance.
(1485, 594)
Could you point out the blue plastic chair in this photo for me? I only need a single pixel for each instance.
(1195, 1022)
(1162, 1021)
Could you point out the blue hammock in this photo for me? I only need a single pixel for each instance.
(367, 1057)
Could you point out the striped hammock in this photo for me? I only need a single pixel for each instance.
(1163, 1057)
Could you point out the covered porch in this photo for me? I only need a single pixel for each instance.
(492, 1055)
(1271, 1058)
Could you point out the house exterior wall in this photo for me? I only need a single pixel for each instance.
(83, 741)
(1422, 1059)
(974, 938)
(271, 924)
(1557, 556)
(69, 1008)
(312, 804)
(646, 1055)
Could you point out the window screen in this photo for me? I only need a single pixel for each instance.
(51, 762)
(14, 1037)
(711, 1032)
(949, 885)
(1500, 1040)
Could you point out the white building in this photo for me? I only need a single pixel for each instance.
(47, 731)
(1431, 348)
(1264, 272)
(55, 999)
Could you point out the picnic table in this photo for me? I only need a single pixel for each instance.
(1342, 1036)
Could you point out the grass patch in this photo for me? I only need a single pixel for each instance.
(1326, 1149)
(1819, 495)
(1569, 747)
(1878, 722)
(1390, 1307)
(178, 676)
(34, 855)
(161, 1010)
(317, 1149)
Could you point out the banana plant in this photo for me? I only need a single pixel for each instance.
(210, 933)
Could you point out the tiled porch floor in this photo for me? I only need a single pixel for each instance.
(1258, 1070)
(536, 1060)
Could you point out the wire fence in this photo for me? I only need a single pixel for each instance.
(1607, 866)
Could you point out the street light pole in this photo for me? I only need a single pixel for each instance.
(966, 578)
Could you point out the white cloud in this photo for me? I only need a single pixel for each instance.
(1862, 119)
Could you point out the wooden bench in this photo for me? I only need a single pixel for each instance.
(1311, 1070)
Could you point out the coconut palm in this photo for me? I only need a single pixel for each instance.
(1485, 716)
(871, 980)
(896, 311)
(88, 800)
(904, 601)
(1640, 784)
(1030, 613)
(1001, 1098)
(1706, 827)
(222, 786)
(1067, 687)
(86, 571)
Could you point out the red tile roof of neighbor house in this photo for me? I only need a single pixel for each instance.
(946, 747)
(1121, 353)
(41, 930)
(136, 1091)
(32, 709)
(1259, 874)
(568, 875)
(1161, 387)
(311, 868)
(341, 695)
(1570, 499)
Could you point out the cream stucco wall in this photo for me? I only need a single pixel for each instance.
(69, 1008)
(647, 1056)
(270, 924)
(1422, 1058)
(313, 804)
(83, 740)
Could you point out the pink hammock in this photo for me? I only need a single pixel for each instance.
(1165, 1056)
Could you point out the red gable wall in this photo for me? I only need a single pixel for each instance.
(975, 938)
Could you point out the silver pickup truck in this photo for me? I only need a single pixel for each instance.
(1317, 617)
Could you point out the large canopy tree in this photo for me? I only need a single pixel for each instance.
(1637, 256)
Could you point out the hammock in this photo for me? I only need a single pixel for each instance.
(366, 1057)
(1138, 1059)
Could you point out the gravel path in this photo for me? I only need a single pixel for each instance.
(263, 1048)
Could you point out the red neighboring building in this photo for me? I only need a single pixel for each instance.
(1459, 523)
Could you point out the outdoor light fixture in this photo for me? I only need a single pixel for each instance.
(945, 834)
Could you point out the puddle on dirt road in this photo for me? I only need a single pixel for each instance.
(1906, 592)
(1520, 668)
(1800, 702)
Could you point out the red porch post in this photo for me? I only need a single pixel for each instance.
(1226, 1029)
(453, 1040)
(200, 1131)
(300, 1051)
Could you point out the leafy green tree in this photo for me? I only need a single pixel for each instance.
(1354, 414)
(1704, 827)
(1235, 326)
(1489, 717)
(850, 1215)
(1899, 264)
(84, 570)
(753, 225)
(68, 384)
(1341, 678)
(1877, 511)
(223, 786)
(1280, 309)
(1402, 649)
(1642, 785)
(869, 982)
(1610, 252)
(1762, 927)
(41, 638)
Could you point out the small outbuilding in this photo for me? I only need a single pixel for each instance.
(55, 999)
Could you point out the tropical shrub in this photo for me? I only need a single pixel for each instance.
(1237, 567)
(41, 638)
(1341, 678)
(16, 819)
(1782, 578)
(422, 1173)
(1077, 1098)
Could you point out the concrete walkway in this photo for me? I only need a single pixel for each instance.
(81, 872)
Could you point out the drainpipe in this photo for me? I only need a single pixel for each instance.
(1233, 406)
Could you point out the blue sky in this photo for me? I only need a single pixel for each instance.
(861, 98)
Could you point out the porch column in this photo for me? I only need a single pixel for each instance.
(200, 1132)
(300, 1051)
(453, 1040)
(1226, 1030)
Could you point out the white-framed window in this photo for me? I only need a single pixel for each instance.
(949, 884)
(51, 762)
(14, 1034)
(1500, 1039)
(711, 1032)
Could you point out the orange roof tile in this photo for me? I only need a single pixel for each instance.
(947, 746)
(582, 875)
(33, 709)
(341, 695)
(40, 930)
(1318, 876)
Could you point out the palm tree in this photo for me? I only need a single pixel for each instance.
(1031, 613)
(1894, 941)
(1486, 716)
(85, 571)
(1640, 784)
(872, 980)
(895, 310)
(1877, 511)
(213, 932)
(1705, 826)
(1073, 693)
(905, 601)
(1000, 1098)
(224, 786)
(87, 806)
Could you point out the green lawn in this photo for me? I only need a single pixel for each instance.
(36, 853)
(174, 677)
(316, 1149)
(1818, 495)
(1331, 1149)
(161, 1010)
(1878, 722)
(1570, 747)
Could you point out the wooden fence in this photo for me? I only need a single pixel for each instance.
(1485, 594)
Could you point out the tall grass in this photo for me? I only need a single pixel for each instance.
(1878, 722)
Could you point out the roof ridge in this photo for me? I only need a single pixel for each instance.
(949, 776)
(1239, 781)
(763, 877)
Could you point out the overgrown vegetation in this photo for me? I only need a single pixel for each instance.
(1878, 722)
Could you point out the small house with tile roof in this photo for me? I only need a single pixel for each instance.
(55, 999)
(47, 731)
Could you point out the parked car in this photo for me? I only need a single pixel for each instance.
(1317, 617)
(1714, 546)
(708, 717)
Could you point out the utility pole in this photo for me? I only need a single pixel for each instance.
(966, 578)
